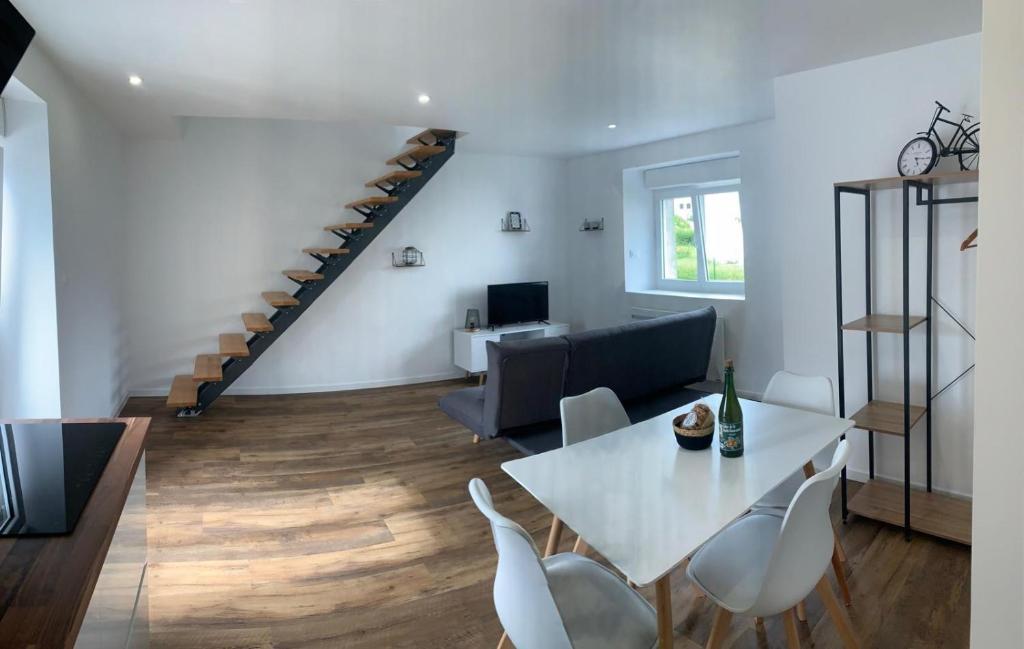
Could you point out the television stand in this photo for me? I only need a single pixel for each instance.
(469, 348)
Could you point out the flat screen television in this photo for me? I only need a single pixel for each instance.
(514, 303)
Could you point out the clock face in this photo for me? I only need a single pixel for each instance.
(917, 157)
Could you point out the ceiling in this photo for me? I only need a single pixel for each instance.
(522, 76)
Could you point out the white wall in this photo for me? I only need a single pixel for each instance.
(997, 569)
(597, 274)
(29, 367)
(216, 215)
(87, 258)
(846, 122)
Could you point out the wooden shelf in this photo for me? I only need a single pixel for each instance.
(885, 417)
(893, 182)
(935, 514)
(880, 323)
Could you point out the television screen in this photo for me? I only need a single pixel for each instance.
(15, 35)
(513, 303)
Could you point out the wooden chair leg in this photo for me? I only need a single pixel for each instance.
(837, 613)
(663, 601)
(554, 536)
(719, 629)
(792, 636)
(759, 624)
(839, 546)
(801, 611)
(837, 566)
(504, 643)
(581, 546)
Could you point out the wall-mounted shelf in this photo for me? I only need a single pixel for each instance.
(899, 504)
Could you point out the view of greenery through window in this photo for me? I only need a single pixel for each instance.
(686, 245)
(723, 237)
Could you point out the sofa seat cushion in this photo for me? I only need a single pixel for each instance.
(465, 406)
(660, 402)
(545, 436)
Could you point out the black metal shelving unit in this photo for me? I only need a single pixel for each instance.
(940, 515)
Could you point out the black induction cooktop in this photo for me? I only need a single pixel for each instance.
(47, 473)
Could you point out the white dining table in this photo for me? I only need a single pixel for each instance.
(645, 504)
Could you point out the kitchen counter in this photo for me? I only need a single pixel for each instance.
(84, 589)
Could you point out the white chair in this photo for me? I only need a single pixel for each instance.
(812, 393)
(584, 417)
(767, 562)
(564, 601)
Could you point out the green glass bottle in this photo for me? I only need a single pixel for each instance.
(730, 418)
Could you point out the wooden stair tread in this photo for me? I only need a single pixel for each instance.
(372, 200)
(939, 515)
(184, 393)
(279, 299)
(207, 368)
(431, 135)
(394, 177)
(302, 275)
(421, 152)
(325, 251)
(885, 417)
(349, 226)
(882, 323)
(256, 323)
(233, 345)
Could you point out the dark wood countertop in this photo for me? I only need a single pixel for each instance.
(46, 582)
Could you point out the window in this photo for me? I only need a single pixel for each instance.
(701, 238)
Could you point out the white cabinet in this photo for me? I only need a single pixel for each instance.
(470, 347)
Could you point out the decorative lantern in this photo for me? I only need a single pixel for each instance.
(409, 256)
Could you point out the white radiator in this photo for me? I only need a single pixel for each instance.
(717, 364)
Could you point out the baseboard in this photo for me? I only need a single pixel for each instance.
(122, 402)
(321, 387)
(862, 476)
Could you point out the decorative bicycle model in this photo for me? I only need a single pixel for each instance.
(920, 155)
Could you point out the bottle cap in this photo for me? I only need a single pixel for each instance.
(728, 364)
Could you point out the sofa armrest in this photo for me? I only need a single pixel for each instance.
(524, 383)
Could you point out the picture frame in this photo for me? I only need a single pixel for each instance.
(515, 221)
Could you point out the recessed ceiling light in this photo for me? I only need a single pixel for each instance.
(612, 126)
(423, 99)
(135, 80)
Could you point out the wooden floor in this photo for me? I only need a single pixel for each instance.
(342, 520)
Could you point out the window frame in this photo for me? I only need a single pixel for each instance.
(696, 194)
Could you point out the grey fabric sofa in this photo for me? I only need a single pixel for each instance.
(648, 364)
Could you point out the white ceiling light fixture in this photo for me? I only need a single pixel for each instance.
(135, 80)
(612, 126)
(423, 99)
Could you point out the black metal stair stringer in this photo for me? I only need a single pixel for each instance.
(331, 268)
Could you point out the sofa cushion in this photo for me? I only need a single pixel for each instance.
(524, 383)
(652, 405)
(643, 357)
(465, 406)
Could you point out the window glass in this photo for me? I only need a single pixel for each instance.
(723, 237)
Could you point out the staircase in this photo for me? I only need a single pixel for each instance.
(191, 394)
